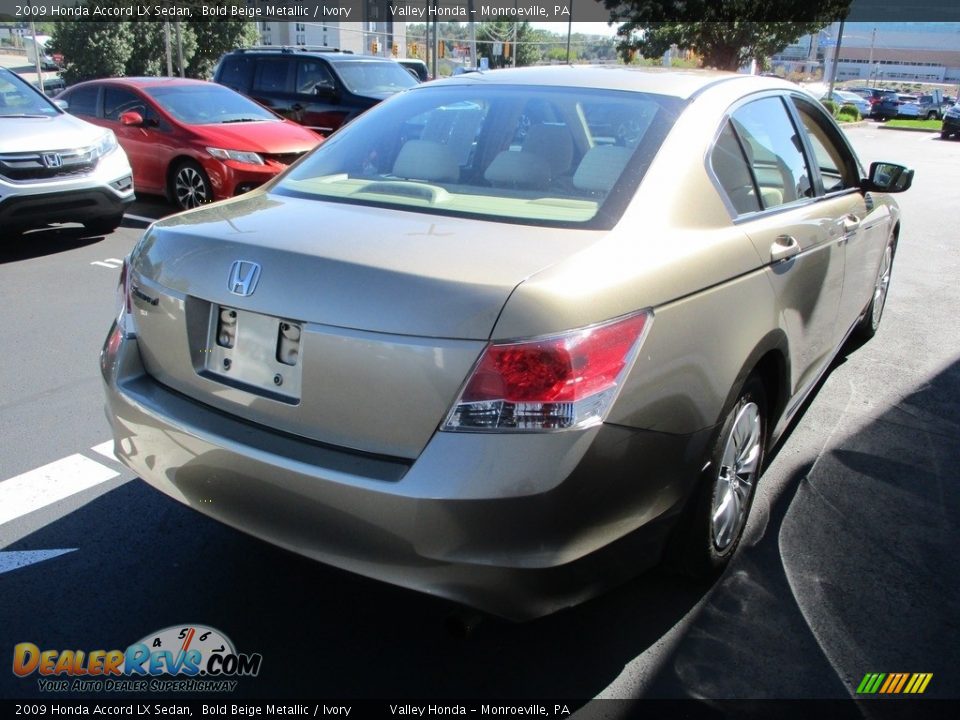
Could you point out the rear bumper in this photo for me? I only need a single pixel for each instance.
(519, 526)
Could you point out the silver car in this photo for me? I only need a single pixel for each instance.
(511, 337)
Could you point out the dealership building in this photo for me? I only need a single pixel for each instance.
(926, 52)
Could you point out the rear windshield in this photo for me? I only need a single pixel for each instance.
(567, 156)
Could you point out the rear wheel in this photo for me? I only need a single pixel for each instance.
(189, 185)
(722, 504)
(870, 322)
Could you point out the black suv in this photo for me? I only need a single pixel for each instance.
(319, 87)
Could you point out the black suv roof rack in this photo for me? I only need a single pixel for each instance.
(292, 49)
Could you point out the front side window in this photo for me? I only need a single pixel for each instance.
(774, 150)
(312, 75)
(543, 156)
(838, 167)
(83, 101)
(117, 101)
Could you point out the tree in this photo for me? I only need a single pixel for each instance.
(126, 48)
(726, 34)
(92, 49)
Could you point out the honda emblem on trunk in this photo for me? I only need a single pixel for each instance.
(243, 277)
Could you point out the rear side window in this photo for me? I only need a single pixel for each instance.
(236, 71)
(273, 75)
(775, 152)
(730, 166)
(83, 101)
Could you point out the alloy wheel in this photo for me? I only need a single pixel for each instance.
(736, 476)
(881, 286)
(190, 188)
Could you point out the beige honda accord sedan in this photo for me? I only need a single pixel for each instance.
(511, 337)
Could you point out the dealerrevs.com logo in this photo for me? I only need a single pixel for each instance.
(181, 658)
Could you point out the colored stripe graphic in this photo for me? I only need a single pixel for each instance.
(894, 683)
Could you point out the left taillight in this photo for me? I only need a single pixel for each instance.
(554, 383)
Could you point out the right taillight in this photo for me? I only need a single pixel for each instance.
(551, 383)
(124, 303)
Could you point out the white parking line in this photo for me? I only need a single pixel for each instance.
(105, 449)
(14, 560)
(111, 263)
(140, 218)
(49, 484)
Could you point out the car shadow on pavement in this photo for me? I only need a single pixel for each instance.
(47, 241)
(854, 570)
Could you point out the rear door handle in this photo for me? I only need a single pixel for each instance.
(783, 248)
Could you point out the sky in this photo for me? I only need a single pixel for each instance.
(587, 28)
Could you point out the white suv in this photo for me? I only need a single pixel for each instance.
(55, 167)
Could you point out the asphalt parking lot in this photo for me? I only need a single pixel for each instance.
(848, 566)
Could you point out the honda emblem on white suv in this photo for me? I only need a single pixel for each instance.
(243, 277)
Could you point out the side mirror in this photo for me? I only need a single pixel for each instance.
(325, 88)
(888, 178)
(131, 118)
(62, 104)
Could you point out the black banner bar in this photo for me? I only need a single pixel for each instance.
(560, 11)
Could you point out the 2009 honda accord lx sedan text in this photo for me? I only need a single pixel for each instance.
(508, 338)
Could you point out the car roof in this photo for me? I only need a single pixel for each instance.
(148, 81)
(682, 84)
(332, 54)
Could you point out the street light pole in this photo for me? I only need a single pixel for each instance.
(836, 59)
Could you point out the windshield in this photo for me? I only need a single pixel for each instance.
(18, 99)
(374, 78)
(518, 153)
(208, 104)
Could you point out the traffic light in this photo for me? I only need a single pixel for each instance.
(395, 50)
(374, 47)
(443, 49)
(506, 50)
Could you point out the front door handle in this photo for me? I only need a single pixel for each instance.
(850, 224)
(783, 248)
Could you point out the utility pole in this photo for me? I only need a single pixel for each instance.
(179, 35)
(836, 58)
(873, 41)
(36, 56)
(473, 37)
(166, 43)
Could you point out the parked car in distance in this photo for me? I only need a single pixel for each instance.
(842, 97)
(191, 140)
(931, 107)
(481, 344)
(321, 88)
(873, 96)
(54, 167)
(893, 106)
(951, 122)
(417, 67)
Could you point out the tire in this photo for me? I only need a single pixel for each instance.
(931, 115)
(104, 225)
(189, 186)
(714, 526)
(870, 322)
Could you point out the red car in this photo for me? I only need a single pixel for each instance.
(191, 140)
